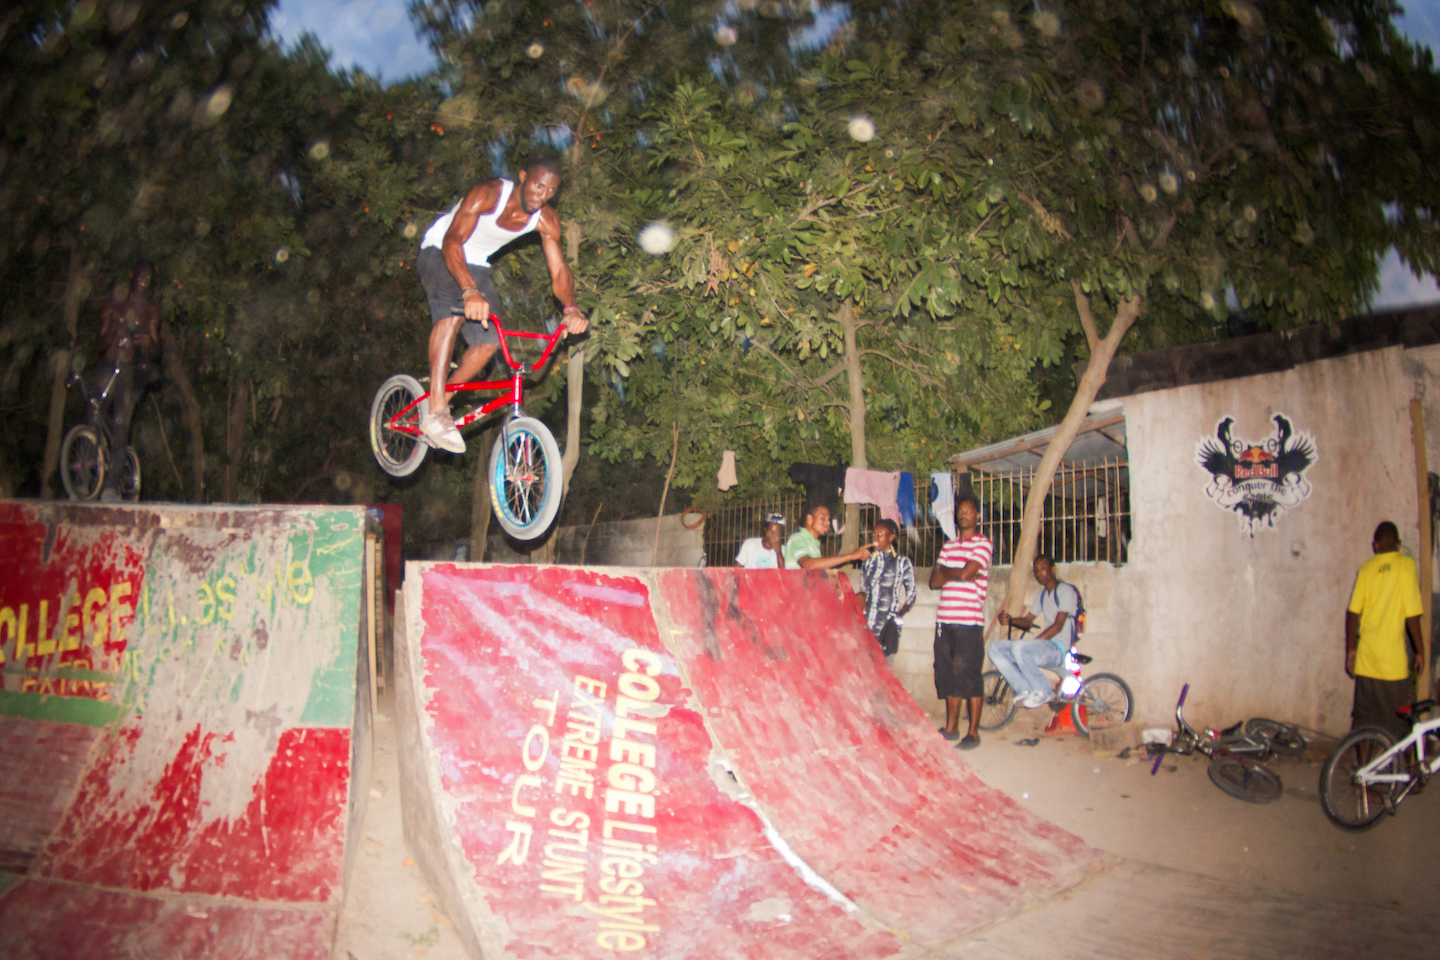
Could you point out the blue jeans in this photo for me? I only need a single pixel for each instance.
(1020, 661)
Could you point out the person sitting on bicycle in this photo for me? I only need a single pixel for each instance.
(454, 267)
(129, 342)
(1020, 661)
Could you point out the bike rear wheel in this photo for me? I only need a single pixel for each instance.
(1346, 801)
(398, 453)
(1105, 701)
(525, 478)
(997, 707)
(1245, 779)
(1284, 739)
(82, 463)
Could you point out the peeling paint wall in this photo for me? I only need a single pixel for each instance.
(689, 763)
(197, 671)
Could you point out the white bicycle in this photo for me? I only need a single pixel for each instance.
(1370, 775)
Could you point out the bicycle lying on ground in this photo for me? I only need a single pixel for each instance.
(1235, 753)
(1095, 702)
(86, 452)
(1368, 775)
(524, 470)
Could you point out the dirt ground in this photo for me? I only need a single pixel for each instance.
(1195, 873)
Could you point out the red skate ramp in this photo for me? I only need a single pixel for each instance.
(689, 763)
(182, 710)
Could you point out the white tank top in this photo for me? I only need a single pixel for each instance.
(487, 237)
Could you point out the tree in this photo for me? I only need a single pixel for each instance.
(1207, 157)
(841, 286)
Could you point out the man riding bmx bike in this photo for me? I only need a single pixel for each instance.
(454, 267)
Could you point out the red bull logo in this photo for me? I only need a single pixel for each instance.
(1256, 462)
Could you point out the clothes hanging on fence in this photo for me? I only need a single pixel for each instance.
(822, 485)
(873, 486)
(942, 501)
(905, 500)
(1102, 518)
(725, 479)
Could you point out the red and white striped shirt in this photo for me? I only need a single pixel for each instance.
(963, 601)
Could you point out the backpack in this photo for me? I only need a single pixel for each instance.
(1079, 608)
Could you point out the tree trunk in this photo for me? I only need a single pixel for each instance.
(235, 436)
(1101, 353)
(480, 506)
(76, 286)
(574, 377)
(195, 445)
(574, 402)
(850, 539)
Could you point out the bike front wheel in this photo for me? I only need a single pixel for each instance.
(399, 453)
(130, 476)
(1245, 779)
(1284, 739)
(1105, 701)
(1346, 801)
(82, 463)
(997, 707)
(525, 478)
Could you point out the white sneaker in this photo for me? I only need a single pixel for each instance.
(440, 430)
(1032, 700)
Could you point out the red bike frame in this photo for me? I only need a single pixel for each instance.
(511, 391)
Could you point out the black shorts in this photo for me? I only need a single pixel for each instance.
(447, 300)
(1377, 703)
(889, 638)
(959, 660)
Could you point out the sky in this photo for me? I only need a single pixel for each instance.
(377, 36)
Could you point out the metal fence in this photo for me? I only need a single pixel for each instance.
(729, 526)
(1087, 512)
(1087, 517)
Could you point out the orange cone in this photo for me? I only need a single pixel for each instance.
(1061, 723)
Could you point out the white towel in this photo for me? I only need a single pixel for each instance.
(725, 479)
(942, 501)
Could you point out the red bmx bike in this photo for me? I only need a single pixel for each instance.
(525, 473)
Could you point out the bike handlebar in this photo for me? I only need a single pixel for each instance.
(503, 335)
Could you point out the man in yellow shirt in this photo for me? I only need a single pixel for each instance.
(1384, 609)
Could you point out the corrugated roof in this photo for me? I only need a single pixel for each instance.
(1101, 438)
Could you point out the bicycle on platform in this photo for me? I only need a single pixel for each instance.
(88, 451)
(1096, 702)
(1369, 774)
(524, 469)
(1236, 753)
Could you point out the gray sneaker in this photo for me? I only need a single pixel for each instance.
(440, 431)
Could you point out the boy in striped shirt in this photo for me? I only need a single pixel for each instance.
(961, 574)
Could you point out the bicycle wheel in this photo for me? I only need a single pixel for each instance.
(82, 463)
(398, 453)
(525, 478)
(130, 476)
(1104, 702)
(1245, 779)
(1284, 739)
(1346, 801)
(998, 706)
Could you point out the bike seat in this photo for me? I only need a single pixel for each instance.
(1080, 657)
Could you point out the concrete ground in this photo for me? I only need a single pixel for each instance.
(1195, 873)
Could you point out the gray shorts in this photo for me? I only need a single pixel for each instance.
(446, 299)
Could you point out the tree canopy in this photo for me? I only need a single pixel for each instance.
(887, 242)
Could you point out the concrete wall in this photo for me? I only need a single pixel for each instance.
(625, 543)
(1255, 624)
